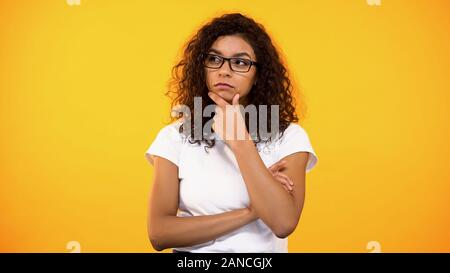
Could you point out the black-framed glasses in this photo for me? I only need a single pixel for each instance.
(236, 64)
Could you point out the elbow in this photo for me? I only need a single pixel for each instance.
(283, 233)
(156, 240)
(284, 230)
(286, 225)
(282, 226)
(156, 244)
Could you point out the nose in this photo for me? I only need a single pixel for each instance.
(225, 70)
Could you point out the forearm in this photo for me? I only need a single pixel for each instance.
(271, 202)
(174, 231)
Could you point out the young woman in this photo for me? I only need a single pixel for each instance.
(220, 194)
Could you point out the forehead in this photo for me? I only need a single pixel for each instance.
(231, 45)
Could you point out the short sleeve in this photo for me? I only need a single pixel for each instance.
(167, 144)
(295, 139)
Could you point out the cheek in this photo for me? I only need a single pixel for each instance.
(209, 78)
(247, 84)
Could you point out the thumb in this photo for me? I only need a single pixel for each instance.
(236, 99)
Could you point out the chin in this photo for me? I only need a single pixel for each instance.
(226, 95)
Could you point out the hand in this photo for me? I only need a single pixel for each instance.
(285, 181)
(228, 122)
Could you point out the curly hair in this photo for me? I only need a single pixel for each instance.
(273, 86)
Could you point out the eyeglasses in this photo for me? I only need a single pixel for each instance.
(236, 64)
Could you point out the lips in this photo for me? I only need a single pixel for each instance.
(222, 84)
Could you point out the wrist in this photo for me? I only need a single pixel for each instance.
(239, 145)
(251, 214)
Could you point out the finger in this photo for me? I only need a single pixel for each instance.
(274, 166)
(235, 100)
(286, 188)
(277, 166)
(283, 181)
(281, 165)
(286, 177)
(218, 99)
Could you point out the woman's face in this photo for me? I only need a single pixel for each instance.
(241, 82)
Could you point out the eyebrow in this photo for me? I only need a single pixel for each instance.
(235, 55)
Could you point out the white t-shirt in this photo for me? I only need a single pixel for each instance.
(211, 183)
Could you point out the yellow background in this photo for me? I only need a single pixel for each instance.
(82, 98)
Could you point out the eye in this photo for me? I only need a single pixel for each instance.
(241, 62)
(213, 59)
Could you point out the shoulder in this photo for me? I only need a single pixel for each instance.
(293, 130)
(295, 139)
(171, 131)
(168, 143)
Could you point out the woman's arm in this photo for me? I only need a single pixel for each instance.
(166, 230)
(278, 209)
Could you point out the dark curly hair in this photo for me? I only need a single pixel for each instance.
(273, 86)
